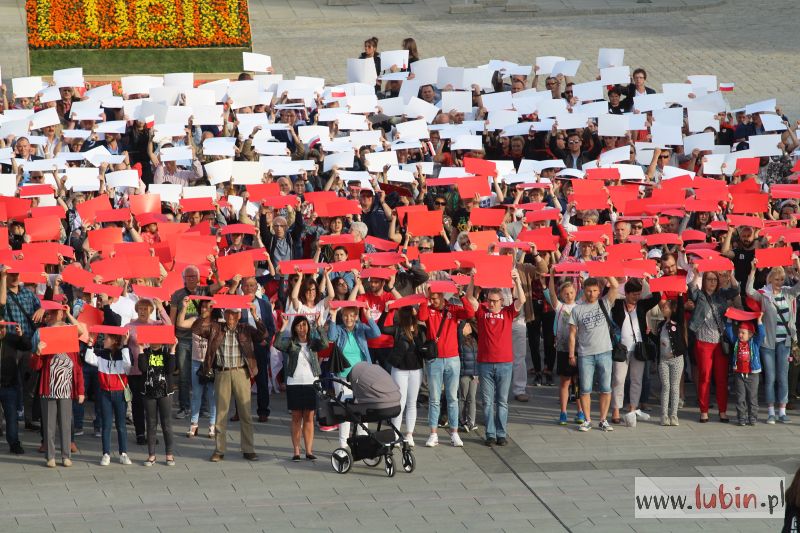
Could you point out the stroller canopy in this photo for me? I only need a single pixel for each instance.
(373, 387)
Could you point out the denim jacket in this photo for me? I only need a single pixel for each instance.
(361, 331)
(291, 349)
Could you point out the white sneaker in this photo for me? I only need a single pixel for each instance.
(432, 441)
(124, 459)
(641, 415)
(455, 440)
(106, 460)
(409, 438)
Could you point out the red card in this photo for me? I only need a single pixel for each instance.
(773, 257)
(740, 315)
(543, 215)
(315, 197)
(279, 201)
(785, 191)
(590, 201)
(424, 223)
(99, 238)
(381, 244)
(624, 251)
(193, 249)
(483, 239)
(746, 186)
(59, 339)
(443, 286)
(748, 165)
(47, 305)
(460, 279)
(696, 205)
(346, 266)
(113, 291)
(543, 238)
(131, 249)
(438, 261)
(377, 273)
(749, 203)
(480, 167)
(384, 258)
(604, 174)
(412, 299)
(145, 203)
(113, 215)
(492, 218)
(337, 208)
(469, 187)
(4, 238)
(43, 228)
(231, 301)
(340, 304)
(108, 330)
(88, 209)
(146, 291)
(228, 266)
(740, 221)
(155, 334)
(668, 284)
(716, 264)
(191, 205)
(693, 235)
(245, 229)
(494, 271)
(77, 276)
(259, 191)
(660, 239)
(306, 266)
(333, 240)
(49, 211)
(27, 191)
(587, 188)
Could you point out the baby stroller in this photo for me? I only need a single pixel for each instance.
(376, 398)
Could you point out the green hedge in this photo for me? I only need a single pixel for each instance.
(138, 61)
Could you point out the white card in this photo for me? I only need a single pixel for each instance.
(615, 75)
(649, 102)
(589, 91)
(547, 63)
(397, 58)
(256, 62)
(567, 68)
(666, 134)
(122, 178)
(764, 145)
(45, 117)
(26, 87)
(412, 130)
(701, 141)
(610, 57)
(175, 153)
(426, 71)
(376, 161)
(247, 172)
(182, 80)
(361, 70)
(612, 125)
(459, 100)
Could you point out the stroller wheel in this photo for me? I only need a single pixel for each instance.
(373, 461)
(341, 460)
(409, 462)
(389, 465)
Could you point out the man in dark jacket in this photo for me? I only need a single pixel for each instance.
(231, 356)
(12, 345)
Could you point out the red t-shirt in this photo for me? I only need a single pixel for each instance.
(376, 305)
(494, 334)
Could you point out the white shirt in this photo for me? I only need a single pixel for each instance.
(302, 372)
(630, 329)
(125, 307)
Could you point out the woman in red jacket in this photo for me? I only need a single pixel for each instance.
(61, 382)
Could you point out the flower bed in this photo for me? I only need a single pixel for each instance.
(109, 24)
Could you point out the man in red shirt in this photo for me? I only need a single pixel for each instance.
(496, 357)
(441, 321)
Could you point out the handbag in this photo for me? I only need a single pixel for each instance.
(338, 361)
(126, 390)
(204, 378)
(795, 350)
(619, 353)
(727, 347)
(643, 350)
(429, 350)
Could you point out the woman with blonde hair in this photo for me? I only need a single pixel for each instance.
(779, 308)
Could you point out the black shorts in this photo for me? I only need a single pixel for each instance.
(563, 368)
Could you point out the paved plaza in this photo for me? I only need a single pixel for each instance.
(549, 478)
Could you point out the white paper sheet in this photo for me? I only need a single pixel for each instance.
(361, 70)
(666, 134)
(459, 100)
(615, 75)
(612, 125)
(247, 172)
(610, 57)
(426, 71)
(398, 58)
(122, 178)
(256, 62)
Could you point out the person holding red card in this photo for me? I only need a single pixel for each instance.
(231, 357)
(746, 363)
(777, 304)
(708, 325)
(496, 356)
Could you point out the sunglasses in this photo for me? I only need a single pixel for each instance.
(574, 142)
(423, 248)
(439, 203)
(664, 156)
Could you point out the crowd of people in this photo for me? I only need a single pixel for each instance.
(169, 251)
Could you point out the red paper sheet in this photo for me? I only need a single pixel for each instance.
(145, 203)
(228, 266)
(43, 228)
(492, 218)
(424, 223)
(155, 334)
(339, 304)
(668, 284)
(231, 301)
(412, 299)
(88, 209)
(716, 264)
(59, 339)
(108, 330)
(774, 257)
(494, 271)
(443, 286)
(740, 315)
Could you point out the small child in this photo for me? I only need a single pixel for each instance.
(468, 385)
(671, 336)
(746, 362)
(157, 363)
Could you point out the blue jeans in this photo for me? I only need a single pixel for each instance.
(197, 396)
(92, 387)
(588, 365)
(183, 356)
(495, 385)
(112, 404)
(8, 399)
(775, 363)
(447, 370)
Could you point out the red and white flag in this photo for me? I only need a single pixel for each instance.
(727, 87)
